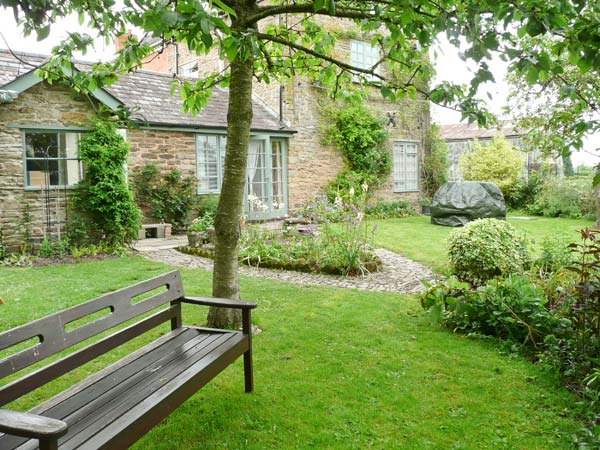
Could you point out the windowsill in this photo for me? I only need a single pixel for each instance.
(42, 188)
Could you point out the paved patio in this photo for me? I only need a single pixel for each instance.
(399, 274)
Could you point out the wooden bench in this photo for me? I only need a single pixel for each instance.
(116, 406)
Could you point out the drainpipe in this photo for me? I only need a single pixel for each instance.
(281, 91)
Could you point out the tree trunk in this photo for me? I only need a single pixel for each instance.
(230, 209)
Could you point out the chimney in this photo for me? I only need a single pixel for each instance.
(120, 40)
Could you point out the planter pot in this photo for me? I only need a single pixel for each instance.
(425, 210)
(197, 238)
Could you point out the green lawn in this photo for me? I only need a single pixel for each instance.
(417, 239)
(335, 369)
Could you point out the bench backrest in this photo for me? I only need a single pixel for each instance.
(60, 331)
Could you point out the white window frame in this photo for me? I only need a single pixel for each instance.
(405, 178)
(220, 157)
(47, 183)
(364, 56)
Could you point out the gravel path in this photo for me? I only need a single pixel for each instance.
(399, 274)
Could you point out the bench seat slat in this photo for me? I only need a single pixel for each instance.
(125, 392)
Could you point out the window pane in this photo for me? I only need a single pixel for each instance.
(208, 163)
(406, 167)
(41, 145)
(51, 159)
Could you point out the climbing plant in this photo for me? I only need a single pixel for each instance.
(361, 138)
(436, 161)
(103, 203)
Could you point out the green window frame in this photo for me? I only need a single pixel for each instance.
(405, 166)
(51, 158)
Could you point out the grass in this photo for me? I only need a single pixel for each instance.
(334, 369)
(417, 239)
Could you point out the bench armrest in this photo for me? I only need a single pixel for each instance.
(219, 302)
(31, 425)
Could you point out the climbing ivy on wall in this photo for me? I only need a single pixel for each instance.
(103, 203)
(361, 138)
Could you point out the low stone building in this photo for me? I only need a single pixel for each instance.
(40, 127)
(461, 136)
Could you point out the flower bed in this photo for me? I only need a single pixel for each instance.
(330, 253)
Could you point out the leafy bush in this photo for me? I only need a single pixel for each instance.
(512, 309)
(202, 224)
(554, 256)
(524, 192)
(169, 197)
(390, 210)
(207, 205)
(103, 202)
(563, 197)
(497, 162)
(486, 248)
(436, 162)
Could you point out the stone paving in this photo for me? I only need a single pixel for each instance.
(399, 274)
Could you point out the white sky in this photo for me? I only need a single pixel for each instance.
(448, 64)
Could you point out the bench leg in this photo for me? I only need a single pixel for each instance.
(247, 330)
(248, 375)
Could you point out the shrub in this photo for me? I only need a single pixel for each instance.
(202, 224)
(554, 256)
(486, 248)
(497, 162)
(207, 205)
(512, 309)
(524, 192)
(102, 199)
(168, 197)
(556, 198)
(390, 210)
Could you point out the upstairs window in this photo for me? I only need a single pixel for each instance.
(190, 69)
(406, 168)
(364, 56)
(52, 158)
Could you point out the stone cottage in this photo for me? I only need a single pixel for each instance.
(310, 163)
(288, 165)
(40, 126)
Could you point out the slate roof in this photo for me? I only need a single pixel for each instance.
(147, 95)
(463, 131)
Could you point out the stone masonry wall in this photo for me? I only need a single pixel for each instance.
(166, 149)
(42, 105)
(312, 165)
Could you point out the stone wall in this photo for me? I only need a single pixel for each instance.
(42, 105)
(166, 149)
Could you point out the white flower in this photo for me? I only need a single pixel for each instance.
(351, 191)
(359, 217)
(365, 187)
(338, 202)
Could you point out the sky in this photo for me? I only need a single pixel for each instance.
(448, 65)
